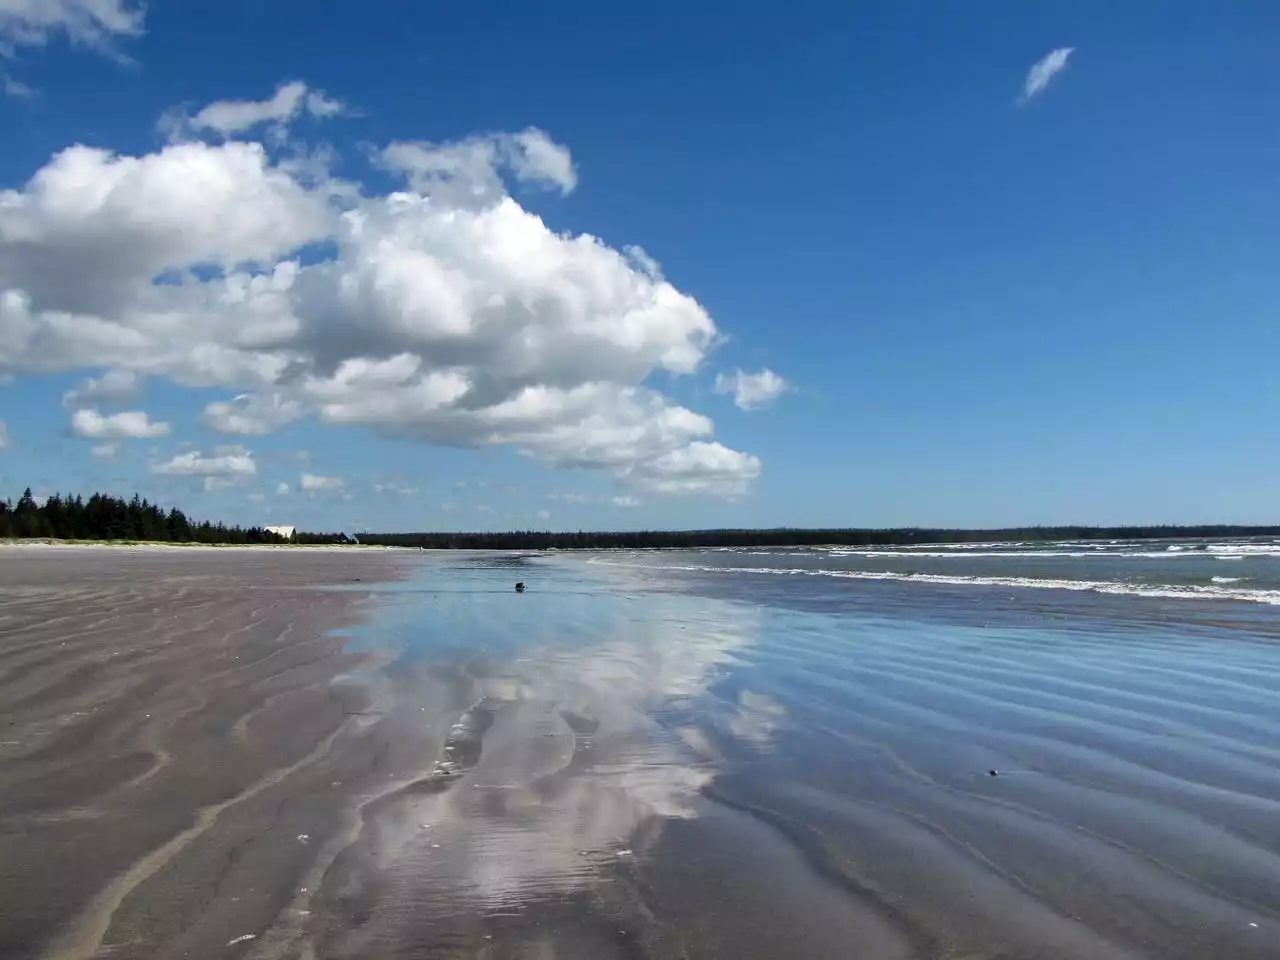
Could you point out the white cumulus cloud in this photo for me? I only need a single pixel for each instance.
(627, 501)
(470, 171)
(1043, 71)
(752, 391)
(252, 415)
(311, 483)
(112, 387)
(225, 465)
(699, 468)
(82, 242)
(125, 425)
(282, 489)
(443, 311)
(90, 23)
(536, 158)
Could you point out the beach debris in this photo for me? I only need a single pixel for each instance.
(242, 939)
(304, 837)
(993, 773)
(520, 587)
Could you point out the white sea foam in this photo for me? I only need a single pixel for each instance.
(1156, 591)
(1225, 579)
(1059, 550)
(1093, 553)
(975, 554)
(1244, 549)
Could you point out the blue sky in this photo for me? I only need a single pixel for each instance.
(851, 265)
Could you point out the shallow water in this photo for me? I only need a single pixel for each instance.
(672, 754)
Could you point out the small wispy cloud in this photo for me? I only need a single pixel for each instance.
(394, 488)
(230, 117)
(87, 23)
(17, 89)
(752, 391)
(571, 496)
(1042, 73)
(311, 483)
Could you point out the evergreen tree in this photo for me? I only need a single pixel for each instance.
(104, 517)
(672, 539)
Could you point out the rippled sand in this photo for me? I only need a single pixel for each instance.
(171, 737)
(613, 765)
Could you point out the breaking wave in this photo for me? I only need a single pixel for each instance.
(1156, 591)
(1075, 550)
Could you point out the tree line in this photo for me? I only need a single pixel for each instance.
(786, 537)
(103, 517)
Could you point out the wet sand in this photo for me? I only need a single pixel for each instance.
(171, 738)
(194, 766)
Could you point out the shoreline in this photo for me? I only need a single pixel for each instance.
(202, 755)
(52, 543)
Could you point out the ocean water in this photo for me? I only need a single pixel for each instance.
(1066, 750)
(1240, 569)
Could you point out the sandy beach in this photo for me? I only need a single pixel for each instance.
(269, 754)
(171, 736)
